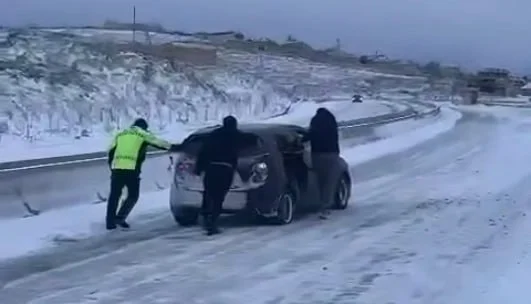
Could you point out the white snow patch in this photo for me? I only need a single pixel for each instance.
(402, 142)
(400, 127)
(344, 110)
(510, 283)
(68, 224)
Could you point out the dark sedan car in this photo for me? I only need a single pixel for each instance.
(272, 180)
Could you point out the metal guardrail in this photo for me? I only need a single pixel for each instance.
(33, 186)
(41, 163)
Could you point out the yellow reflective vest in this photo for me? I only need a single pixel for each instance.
(128, 148)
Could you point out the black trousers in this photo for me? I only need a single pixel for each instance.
(216, 184)
(119, 180)
(325, 165)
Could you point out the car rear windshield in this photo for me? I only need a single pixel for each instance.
(193, 144)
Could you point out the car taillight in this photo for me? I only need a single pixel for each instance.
(184, 165)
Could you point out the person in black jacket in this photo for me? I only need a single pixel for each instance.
(218, 158)
(324, 139)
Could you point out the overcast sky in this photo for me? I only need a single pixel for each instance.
(474, 33)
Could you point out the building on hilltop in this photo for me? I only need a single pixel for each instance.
(498, 82)
(526, 89)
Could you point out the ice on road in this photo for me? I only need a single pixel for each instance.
(443, 221)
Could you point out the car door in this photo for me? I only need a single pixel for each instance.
(310, 195)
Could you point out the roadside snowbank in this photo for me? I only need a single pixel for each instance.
(402, 142)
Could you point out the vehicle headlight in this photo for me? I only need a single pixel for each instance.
(259, 173)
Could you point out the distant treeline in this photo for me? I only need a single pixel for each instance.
(150, 27)
(155, 27)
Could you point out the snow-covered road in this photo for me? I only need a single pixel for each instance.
(433, 224)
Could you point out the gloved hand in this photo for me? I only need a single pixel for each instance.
(303, 138)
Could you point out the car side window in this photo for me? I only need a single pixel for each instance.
(250, 145)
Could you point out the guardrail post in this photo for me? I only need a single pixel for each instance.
(30, 211)
(101, 198)
(159, 186)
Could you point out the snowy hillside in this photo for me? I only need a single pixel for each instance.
(59, 83)
(74, 82)
(305, 79)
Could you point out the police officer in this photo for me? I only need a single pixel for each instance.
(126, 155)
(324, 139)
(218, 159)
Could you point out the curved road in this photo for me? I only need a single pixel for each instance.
(417, 220)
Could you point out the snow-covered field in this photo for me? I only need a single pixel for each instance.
(55, 85)
(439, 215)
(14, 149)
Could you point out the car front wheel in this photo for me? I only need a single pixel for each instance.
(286, 209)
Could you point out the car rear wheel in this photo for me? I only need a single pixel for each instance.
(286, 209)
(342, 194)
(186, 216)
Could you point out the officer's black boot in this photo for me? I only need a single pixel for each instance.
(213, 230)
(110, 225)
(123, 224)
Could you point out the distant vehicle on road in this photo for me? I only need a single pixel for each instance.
(357, 98)
(273, 179)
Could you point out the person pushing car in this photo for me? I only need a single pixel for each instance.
(324, 140)
(217, 159)
(125, 158)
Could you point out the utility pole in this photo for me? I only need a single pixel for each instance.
(134, 23)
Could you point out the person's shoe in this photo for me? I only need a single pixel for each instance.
(110, 226)
(210, 226)
(123, 224)
(212, 230)
(324, 214)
